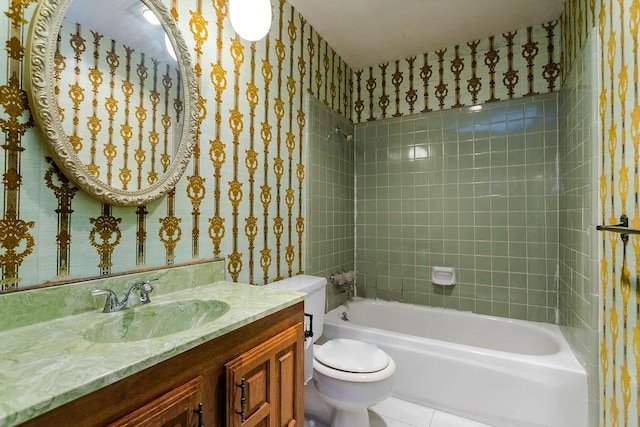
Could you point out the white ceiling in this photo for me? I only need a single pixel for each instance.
(370, 32)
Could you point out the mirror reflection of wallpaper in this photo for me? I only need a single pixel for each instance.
(121, 108)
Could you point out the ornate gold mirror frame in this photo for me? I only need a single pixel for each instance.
(40, 82)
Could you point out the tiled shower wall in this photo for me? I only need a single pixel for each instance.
(473, 190)
(578, 303)
(330, 220)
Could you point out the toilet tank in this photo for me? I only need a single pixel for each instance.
(314, 287)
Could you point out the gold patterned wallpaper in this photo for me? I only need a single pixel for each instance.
(518, 63)
(617, 23)
(242, 197)
(618, 115)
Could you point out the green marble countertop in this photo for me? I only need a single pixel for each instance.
(47, 364)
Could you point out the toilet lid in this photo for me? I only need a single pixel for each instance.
(351, 356)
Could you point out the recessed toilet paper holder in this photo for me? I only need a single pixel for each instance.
(443, 276)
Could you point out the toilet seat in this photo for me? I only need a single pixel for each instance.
(352, 356)
(354, 377)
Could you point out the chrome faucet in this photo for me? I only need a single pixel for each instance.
(112, 304)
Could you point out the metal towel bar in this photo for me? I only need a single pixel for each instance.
(622, 228)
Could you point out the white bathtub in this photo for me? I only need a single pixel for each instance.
(498, 371)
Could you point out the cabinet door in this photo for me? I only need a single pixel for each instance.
(176, 408)
(265, 384)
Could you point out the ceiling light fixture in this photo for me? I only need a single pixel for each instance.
(251, 19)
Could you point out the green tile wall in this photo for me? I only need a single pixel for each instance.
(578, 290)
(474, 190)
(330, 219)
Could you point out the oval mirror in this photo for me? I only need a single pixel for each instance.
(111, 86)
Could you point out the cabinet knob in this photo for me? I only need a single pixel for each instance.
(243, 400)
(200, 413)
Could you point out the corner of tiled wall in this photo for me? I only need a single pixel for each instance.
(579, 295)
(330, 209)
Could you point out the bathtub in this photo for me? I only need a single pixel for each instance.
(498, 371)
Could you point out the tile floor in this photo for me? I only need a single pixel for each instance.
(390, 413)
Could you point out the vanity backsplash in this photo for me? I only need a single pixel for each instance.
(40, 305)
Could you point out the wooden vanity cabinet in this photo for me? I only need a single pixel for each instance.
(267, 354)
(177, 407)
(263, 383)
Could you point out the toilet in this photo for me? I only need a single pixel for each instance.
(350, 375)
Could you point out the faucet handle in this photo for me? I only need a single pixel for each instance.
(111, 304)
(146, 285)
(145, 288)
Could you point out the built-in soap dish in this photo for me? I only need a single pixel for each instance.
(444, 276)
